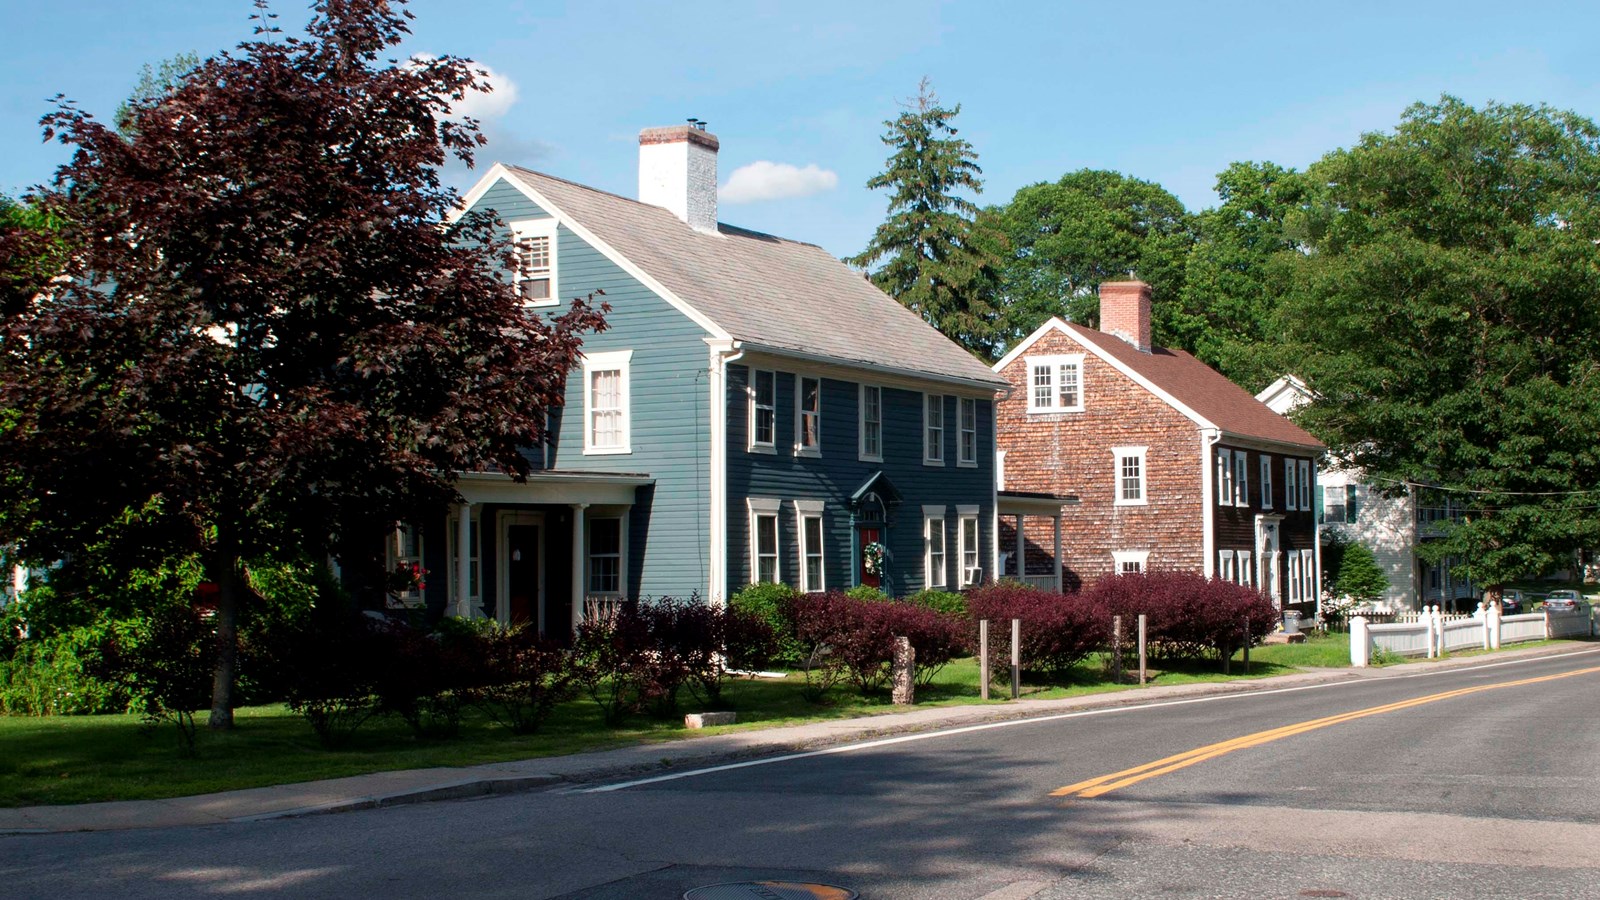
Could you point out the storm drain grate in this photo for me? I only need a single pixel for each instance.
(770, 890)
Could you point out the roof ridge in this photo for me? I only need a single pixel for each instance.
(721, 226)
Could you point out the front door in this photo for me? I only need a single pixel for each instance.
(520, 563)
(869, 575)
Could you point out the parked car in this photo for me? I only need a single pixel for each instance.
(1562, 600)
(1511, 601)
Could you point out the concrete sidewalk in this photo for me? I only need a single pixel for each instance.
(422, 785)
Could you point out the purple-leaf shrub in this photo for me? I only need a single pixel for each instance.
(1058, 630)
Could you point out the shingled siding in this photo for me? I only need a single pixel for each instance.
(1071, 453)
(839, 471)
(668, 400)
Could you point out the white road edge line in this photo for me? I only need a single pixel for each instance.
(1033, 720)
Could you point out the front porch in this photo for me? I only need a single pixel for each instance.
(1019, 506)
(538, 552)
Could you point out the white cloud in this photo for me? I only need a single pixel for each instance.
(483, 105)
(765, 180)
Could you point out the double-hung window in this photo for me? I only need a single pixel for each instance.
(534, 242)
(1225, 566)
(605, 402)
(967, 444)
(1241, 478)
(1291, 486)
(1247, 576)
(808, 519)
(474, 592)
(808, 416)
(871, 407)
(763, 410)
(1333, 509)
(1130, 465)
(1055, 383)
(933, 429)
(971, 570)
(405, 559)
(1266, 481)
(1308, 574)
(764, 556)
(1304, 466)
(933, 539)
(1294, 577)
(1130, 562)
(605, 555)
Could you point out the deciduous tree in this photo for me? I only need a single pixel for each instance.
(1445, 314)
(270, 336)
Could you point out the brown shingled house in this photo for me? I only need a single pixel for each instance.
(1176, 467)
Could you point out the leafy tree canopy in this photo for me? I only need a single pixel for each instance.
(1444, 312)
(270, 337)
(1068, 236)
(934, 253)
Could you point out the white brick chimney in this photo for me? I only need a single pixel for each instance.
(678, 171)
(1125, 312)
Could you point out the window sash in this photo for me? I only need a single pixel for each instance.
(605, 555)
(811, 572)
(871, 421)
(1305, 483)
(1246, 574)
(969, 430)
(810, 424)
(1131, 478)
(1069, 390)
(533, 267)
(474, 591)
(933, 428)
(969, 548)
(605, 409)
(1291, 489)
(766, 529)
(934, 533)
(1043, 386)
(764, 408)
(405, 548)
(1224, 477)
(1241, 478)
(1308, 573)
(1266, 482)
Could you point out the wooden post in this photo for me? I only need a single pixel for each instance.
(1247, 646)
(983, 658)
(904, 672)
(1116, 649)
(1142, 669)
(1016, 658)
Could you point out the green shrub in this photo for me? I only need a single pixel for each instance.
(866, 593)
(766, 602)
(54, 675)
(166, 661)
(947, 602)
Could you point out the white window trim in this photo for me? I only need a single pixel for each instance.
(622, 361)
(1055, 362)
(1294, 576)
(1306, 502)
(758, 507)
(751, 444)
(861, 423)
(1241, 478)
(928, 403)
(1246, 573)
(1291, 490)
(803, 510)
(930, 515)
(1266, 481)
(962, 405)
(968, 513)
(1226, 562)
(535, 228)
(1139, 557)
(799, 416)
(1117, 455)
(1308, 573)
(1224, 477)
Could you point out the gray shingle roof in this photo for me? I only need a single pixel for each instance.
(782, 295)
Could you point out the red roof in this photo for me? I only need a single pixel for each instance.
(1201, 388)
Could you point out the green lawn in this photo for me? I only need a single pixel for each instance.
(76, 759)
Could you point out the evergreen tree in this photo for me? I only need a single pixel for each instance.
(934, 253)
(1360, 577)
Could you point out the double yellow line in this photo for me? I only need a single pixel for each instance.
(1094, 787)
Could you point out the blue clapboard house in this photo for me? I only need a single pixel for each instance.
(756, 411)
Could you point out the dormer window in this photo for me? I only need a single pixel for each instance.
(535, 245)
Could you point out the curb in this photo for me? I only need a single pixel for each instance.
(464, 789)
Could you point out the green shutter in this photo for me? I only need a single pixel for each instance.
(1316, 499)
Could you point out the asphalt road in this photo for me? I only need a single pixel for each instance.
(1475, 782)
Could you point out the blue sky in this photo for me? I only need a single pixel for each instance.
(1167, 92)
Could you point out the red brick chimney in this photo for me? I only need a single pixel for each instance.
(1125, 312)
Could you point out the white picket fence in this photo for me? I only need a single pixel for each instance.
(1431, 633)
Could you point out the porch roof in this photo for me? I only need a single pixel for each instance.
(1030, 503)
(552, 486)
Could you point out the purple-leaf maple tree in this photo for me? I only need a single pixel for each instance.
(270, 335)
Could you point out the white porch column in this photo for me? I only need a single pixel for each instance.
(464, 560)
(1022, 552)
(577, 563)
(1057, 524)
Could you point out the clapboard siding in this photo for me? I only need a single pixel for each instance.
(838, 472)
(668, 408)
